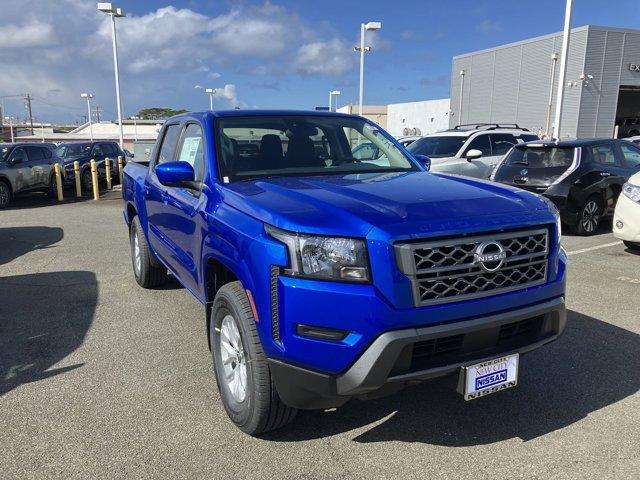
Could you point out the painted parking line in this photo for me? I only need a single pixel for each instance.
(597, 247)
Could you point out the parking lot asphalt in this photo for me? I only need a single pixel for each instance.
(101, 379)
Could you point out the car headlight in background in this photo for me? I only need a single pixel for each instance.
(328, 258)
(632, 191)
(552, 207)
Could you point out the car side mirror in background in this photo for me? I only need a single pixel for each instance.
(16, 160)
(177, 174)
(424, 161)
(473, 154)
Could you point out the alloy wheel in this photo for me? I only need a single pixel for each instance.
(590, 216)
(4, 195)
(137, 257)
(233, 359)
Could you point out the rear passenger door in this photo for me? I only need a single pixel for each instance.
(38, 165)
(610, 170)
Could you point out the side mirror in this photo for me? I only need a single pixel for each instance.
(424, 161)
(473, 154)
(177, 174)
(16, 160)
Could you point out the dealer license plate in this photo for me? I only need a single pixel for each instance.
(490, 377)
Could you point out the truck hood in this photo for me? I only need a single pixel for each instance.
(397, 205)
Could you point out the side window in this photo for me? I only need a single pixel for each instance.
(192, 149)
(631, 155)
(18, 154)
(604, 154)
(47, 153)
(169, 141)
(97, 150)
(501, 143)
(35, 154)
(365, 151)
(481, 142)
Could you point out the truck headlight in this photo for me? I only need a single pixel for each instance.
(328, 258)
(632, 191)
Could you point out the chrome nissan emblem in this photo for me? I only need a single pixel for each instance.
(490, 256)
(524, 171)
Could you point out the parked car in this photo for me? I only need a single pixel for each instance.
(626, 219)
(26, 167)
(84, 152)
(635, 139)
(628, 127)
(408, 140)
(471, 150)
(583, 178)
(326, 279)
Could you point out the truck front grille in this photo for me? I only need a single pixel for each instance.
(470, 267)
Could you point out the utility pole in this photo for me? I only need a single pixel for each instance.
(96, 112)
(28, 98)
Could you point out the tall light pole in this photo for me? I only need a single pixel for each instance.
(362, 49)
(114, 13)
(331, 94)
(89, 96)
(462, 73)
(135, 128)
(554, 61)
(211, 92)
(10, 127)
(563, 68)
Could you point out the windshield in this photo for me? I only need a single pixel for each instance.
(537, 157)
(437, 147)
(265, 146)
(73, 149)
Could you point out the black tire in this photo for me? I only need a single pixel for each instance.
(261, 409)
(5, 194)
(146, 273)
(589, 217)
(52, 191)
(86, 181)
(632, 246)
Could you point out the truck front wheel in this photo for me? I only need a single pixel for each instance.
(242, 373)
(147, 274)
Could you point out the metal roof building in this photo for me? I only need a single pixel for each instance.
(516, 83)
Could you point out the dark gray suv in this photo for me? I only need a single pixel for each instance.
(26, 167)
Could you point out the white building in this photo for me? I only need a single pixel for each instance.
(418, 118)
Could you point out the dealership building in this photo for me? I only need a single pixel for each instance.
(517, 83)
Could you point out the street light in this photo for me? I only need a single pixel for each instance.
(10, 119)
(135, 128)
(114, 13)
(89, 96)
(362, 49)
(331, 94)
(211, 92)
(563, 68)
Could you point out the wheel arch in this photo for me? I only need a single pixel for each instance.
(215, 274)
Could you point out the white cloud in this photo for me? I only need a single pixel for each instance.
(488, 26)
(324, 58)
(32, 34)
(213, 75)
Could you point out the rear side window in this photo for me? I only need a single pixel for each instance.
(604, 154)
(192, 149)
(481, 142)
(46, 152)
(631, 155)
(169, 141)
(501, 143)
(541, 157)
(35, 154)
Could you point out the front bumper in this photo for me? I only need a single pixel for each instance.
(627, 212)
(414, 354)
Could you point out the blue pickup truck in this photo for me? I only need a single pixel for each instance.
(325, 277)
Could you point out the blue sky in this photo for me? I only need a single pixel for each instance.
(280, 54)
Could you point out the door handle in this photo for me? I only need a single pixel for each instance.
(605, 174)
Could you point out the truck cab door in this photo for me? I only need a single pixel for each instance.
(175, 214)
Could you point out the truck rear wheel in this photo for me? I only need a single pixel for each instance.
(247, 390)
(146, 273)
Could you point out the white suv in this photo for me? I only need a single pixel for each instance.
(471, 150)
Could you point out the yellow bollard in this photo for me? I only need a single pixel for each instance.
(57, 169)
(76, 173)
(120, 162)
(94, 180)
(107, 166)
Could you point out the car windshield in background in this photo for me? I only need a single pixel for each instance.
(437, 147)
(265, 146)
(73, 150)
(541, 157)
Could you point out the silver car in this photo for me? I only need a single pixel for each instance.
(26, 167)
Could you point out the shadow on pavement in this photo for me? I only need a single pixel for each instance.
(593, 365)
(43, 318)
(16, 241)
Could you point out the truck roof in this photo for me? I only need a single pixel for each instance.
(257, 113)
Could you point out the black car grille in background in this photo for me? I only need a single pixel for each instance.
(448, 270)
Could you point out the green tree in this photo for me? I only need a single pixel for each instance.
(158, 113)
